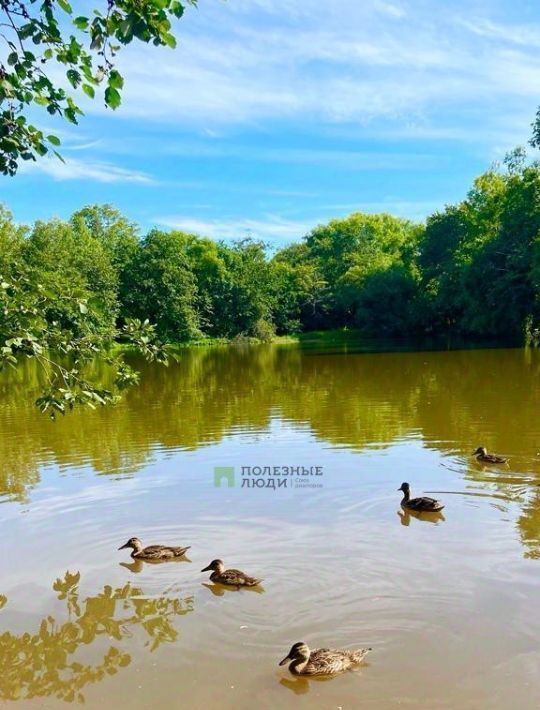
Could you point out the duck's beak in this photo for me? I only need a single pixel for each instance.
(207, 569)
(285, 660)
(124, 546)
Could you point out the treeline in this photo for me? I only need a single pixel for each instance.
(472, 269)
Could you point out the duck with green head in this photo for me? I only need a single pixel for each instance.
(153, 552)
(420, 505)
(321, 661)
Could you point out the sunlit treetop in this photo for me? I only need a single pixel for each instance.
(40, 36)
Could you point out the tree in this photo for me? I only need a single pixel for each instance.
(244, 303)
(348, 251)
(298, 290)
(40, 36)
(76, 272)
(164, 289)
(479, 259)
(118, 237)
(58, 302)
(442, 262)
(11, 242)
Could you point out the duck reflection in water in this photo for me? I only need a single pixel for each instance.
(406, 515)
(220, 590)
(137, 565)
(301, 684)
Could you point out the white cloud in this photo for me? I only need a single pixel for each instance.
(415, 210)
(371, 63)
(75, 169)
(280, 230)
(526, 35)
(330, 158)
(272, 228)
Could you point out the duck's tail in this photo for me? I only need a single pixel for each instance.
(180, 551)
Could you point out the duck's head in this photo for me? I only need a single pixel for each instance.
(480, 450)
(134, 543)
(405, 487)
(214, 566)
(298, 652)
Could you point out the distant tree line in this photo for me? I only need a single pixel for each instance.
(473, 269)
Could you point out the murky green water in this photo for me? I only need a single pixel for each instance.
(451, 607)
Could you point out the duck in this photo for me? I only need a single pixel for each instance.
(153, 552)
(321, 661)
(422, 504)
(482, 455)
(232, 577)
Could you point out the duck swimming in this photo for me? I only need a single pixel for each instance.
(483, 456)
(321, 661)
(153, 552)
(232, 577)
(422, 504)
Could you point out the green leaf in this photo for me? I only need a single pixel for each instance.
(81, 23)
(112, 97)
(170, 41)
(74, 77)
(116, 80)
(177, 8)
(89, 90)
(126, 30)
(26, 31)
(53, 139)
(66, 7)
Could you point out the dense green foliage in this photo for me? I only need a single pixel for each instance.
(473, 269)
(41, 37)
(59, 303)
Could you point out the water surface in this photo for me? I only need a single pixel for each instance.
(449, 605)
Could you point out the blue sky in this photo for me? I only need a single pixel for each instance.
(274, 115)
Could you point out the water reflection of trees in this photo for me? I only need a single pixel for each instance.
(454, 401)
(44, 662)
(529, 526)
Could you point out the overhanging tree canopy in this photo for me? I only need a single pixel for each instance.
(39, 36)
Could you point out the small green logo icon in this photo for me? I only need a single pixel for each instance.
(224, 473)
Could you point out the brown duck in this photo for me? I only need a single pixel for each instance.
(232, 577)
(420, 505)
(321, 661)
(153, 552)
(482, 455)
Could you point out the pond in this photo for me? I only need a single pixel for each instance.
(449, 605)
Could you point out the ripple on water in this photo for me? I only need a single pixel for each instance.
(442, 604)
